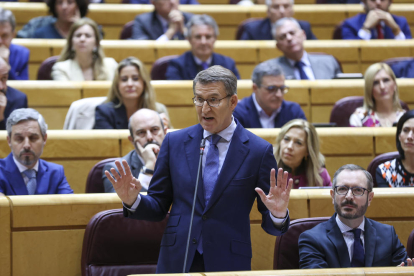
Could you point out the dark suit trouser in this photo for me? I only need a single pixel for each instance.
(198, 263)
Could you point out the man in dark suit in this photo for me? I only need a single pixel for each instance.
(376, 23)
(266, 108)
(17, 56)
(10, 98)
(202, 34)
(165, 23)
(236, 168)
(295, 62)
(348, 238)
(404, 69)
(276, 9)
(22, 172)
(147, 132)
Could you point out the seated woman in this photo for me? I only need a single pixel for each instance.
(82, 58)
(382, 106)
(66, 13)
(297, 151)
(400, 171)
(131, 90)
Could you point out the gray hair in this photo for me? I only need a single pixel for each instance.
(25, 114)
(282, 22)
(352, 167)
(266, 68)
(7, 16)
(217, 73)
(202, 19)
(269, 2)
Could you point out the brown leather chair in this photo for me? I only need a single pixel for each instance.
(115, 246)
(240, 28)
(286, 248)
(45, 69)
(159, 68)
(94, 182)
(410, 245)
(127, 30)
(373, 165)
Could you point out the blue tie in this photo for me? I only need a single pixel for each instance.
(211, 168)
(204, 65)
(300, 65)
(358, 258)
(31, 185)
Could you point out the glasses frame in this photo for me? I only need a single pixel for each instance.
(284, 89)
(352, 189)
(204, 100)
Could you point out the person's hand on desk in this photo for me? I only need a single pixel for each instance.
(409, 262)
(125, 184)
(277, 200)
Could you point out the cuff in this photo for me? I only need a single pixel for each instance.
(163, 38)
(278, 222)
(363, 34)
(400, 36)
(145, 180)
(134, 206)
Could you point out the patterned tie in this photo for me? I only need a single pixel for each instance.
(211, 168)
(31, 185)
(300, 65)
(380, 32)
(204, 65)
(358, 258)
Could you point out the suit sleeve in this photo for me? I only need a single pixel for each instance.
(174, 71)
(58, 73)
(337, 67)
(300, 114)
(234, 69)
(348, 32)
(138, 30)
(22, 66)
(381, 182)
(102, 119)
(107, 184)
(63, 187)
(405, 28)
(399, 253)
(308, 31)
(310, 254)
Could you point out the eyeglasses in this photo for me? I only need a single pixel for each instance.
(356, 191)
(213, 102)
(274, 89)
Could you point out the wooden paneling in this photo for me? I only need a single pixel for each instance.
(5, 237)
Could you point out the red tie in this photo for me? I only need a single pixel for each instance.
(380, 32)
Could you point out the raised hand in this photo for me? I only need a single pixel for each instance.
(277, 200)
(125, 184)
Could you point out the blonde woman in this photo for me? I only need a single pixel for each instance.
(83, 58)
(297, 151)
(131, 90)
(382, 106)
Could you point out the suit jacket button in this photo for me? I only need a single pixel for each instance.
(194, 240)
(204, 217)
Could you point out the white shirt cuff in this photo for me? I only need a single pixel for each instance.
(363, 34)
(163, 38)
(145, 180)
(400, 36)
(134, 206)
(278, 222)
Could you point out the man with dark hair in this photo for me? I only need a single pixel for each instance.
(22, 172)
(147, 132)
(266, 108)
(236, 169)
(202, 34)
(348, 238)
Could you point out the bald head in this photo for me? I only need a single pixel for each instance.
(146, 126)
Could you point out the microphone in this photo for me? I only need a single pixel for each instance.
(202, 146)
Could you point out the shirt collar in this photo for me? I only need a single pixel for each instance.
(304, 59)
(226, 133)
(345, 228)
(260, 109)
(23, 168)
(199, 61)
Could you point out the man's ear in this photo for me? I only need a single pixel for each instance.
(9, 141)
(233, 101)
(44, 139)
(131, 139)
(255, 87)
(333, 196)
(370, 197)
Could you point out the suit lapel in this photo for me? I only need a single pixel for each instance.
(317, 72)
(14, 177)
(156, 29)
(235, 156)
(335, 236)
(254, 115)
(288, 70)
(370, 237)
(43, 168)
(134, 162)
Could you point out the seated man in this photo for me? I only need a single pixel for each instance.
(10, 98)
(348, 238)
(202, 34)
(295, 62)
(165, 23)
(147, 132)
(403, 69)
(376, 23)
(266, 108)
(22, 172)
(17, 56)
(276, 9)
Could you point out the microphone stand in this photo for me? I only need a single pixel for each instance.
(202, 146)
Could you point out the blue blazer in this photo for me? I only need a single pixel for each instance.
(19, 62)
(50, 179)
(324, 246)
(109, 117)
(404, 69)
(224, 223)
(248, 116)
(352, 25)
(262, 30)
(15, 100)
(184, 67)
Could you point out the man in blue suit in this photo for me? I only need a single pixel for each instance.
(348, 238)
(202, 34)
(276, 9)
(376, 23)
(404, 69)
(236, 168)
(22, 172)
(16, 55)
(266, 108)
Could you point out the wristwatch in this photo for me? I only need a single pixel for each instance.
(146, 171)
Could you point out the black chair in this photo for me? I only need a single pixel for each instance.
(159, 68)
(45, 69)
(94, 182)
(127, 30)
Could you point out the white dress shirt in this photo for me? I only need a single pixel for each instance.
(23, 168)
(265, 120)
(307, 67)
(366, 35)
(349, 236)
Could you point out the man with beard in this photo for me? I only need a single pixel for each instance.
(22, 172)
(147, 131)
(348, 238)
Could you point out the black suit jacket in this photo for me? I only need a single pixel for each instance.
(15, 100)
(109, 117)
